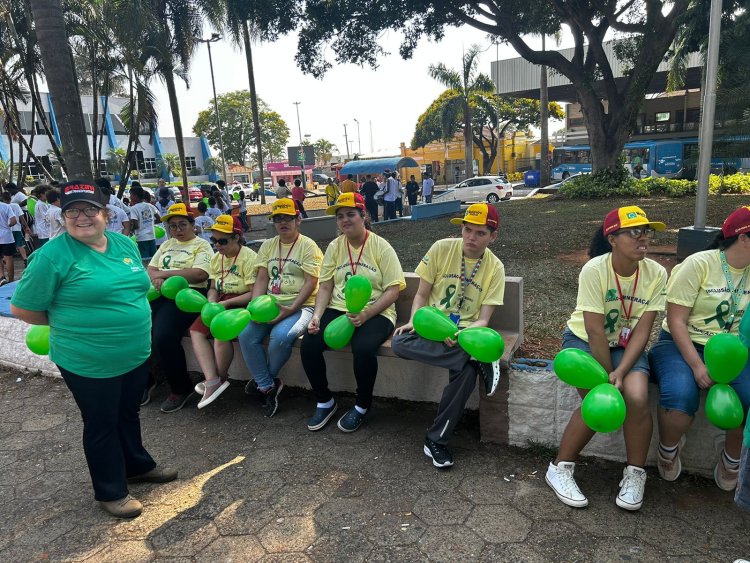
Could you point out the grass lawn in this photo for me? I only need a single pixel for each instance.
(545, 242)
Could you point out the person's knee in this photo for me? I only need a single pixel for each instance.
(637, 403)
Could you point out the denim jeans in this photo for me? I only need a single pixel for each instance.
(264, 366)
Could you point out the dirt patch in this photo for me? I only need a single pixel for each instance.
(545, 347)
(666, 255)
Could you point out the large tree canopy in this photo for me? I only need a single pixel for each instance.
(238, 132)
(351, 31)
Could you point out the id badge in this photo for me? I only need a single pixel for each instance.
(455, 317)
(276, 288)
(624, 336)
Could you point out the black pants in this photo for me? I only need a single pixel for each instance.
(389, 210)
(372, 209)
(111, 429)
(301, 207)
(412, 198)
(365, 343)
(169, 326)
(399, 207)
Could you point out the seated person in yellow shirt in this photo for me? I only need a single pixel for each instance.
(463, 278)
(231, 279)
(620, 292)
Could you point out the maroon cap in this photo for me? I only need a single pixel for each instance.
(737, 223)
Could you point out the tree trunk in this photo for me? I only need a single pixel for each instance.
(95, 114)
(468, 152)
(175, 107)
(254, 106)
(59, 70)
(543, 125)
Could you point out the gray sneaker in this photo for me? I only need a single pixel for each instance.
(174, 402)
(670, 469)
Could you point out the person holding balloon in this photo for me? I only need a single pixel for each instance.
(706, 297)
(231, 279)
(68, 285)
(182, 257)
(620, 292)
(288, 267)
(356, 252)
(464, 279)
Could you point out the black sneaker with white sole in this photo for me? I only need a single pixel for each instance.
(271, 398)
(146, 397)
(490, 373)
(321, 417)
(441, 456)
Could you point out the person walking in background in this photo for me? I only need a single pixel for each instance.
(54, 214)
(203, 223)
(412, 190)
(298, 195)
(7, 242)
(392, 192)
(332, 192)
(368, 191)
(283, 190)
(427, 186)
(213, 210)
(143, 219)
(356, 251)
(68, 285)
(242, 212)
(348, 185)
(19, 228)
(620, 292)
(41, 226)
(117, 220)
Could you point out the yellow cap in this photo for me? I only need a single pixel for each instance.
(479, 214)
(629, 216)
(283, 206)
(347, 199)
(176, 210)
(224, 224)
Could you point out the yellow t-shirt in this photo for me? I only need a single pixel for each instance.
(233, 276)
(441, 267)
(378, 263)
(305, 258)
(597, 293)
(176, 255)
(699, 283)
(348, 186)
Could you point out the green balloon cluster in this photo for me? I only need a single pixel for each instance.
(153, 294)
(482, 343)
(432, 324)
(159, 232)
(357, 293)
(723, 407)
(229, 324)
(263, 309)
(37, 339)
(603, 408)
(209, 311)
(172, 286)
(579, 369)
(725, 357)
(190, 300)
(338, 333)
(236, 196)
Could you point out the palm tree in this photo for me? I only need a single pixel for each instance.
(61, 78)
(323, 151)
(465, 83)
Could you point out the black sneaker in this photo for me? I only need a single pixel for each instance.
(146, 398)
(351, 421)
(321, 417)
(175, 402)
(440, 455)
(490, 374)
(271, 403)
(251, 388)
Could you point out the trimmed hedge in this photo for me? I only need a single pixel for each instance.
(608, 183)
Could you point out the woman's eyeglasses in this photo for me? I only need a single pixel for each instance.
(178, 226)
(282, 218)
(75, 212)
(638, 232)
(220, 241)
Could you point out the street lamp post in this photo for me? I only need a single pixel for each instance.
(346, 142)
(215, 37)
(359, 142)
(301, 148)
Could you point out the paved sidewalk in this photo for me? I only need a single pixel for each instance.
(256, 489)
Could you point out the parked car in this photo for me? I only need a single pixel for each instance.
(320, 179)
(195, 193)
(481, 188)
(176, 193)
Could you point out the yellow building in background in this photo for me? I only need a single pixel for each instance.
(518, 153)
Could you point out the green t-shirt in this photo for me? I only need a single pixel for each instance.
(100, 320)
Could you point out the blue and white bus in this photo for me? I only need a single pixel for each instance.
(670, 158)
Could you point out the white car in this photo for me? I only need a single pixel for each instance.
(482, 188)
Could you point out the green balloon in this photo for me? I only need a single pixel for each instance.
(205, 200)
(236, 196)
(725, 357)
(159, 232)
(153, 294)
(209, 311)
(37, 339)
(31, 206)
(579, 369)
(482, 343)
(723, 407)
(432, 324)
(263, 308)
(190, 300)
(745, 330)
(338, 333)
(229, 324)
(603, 408)
(357, 292)
(172, 286)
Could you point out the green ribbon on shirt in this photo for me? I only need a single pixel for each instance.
(450, 291)
(611, 320)
(165, 262)
(721, 311)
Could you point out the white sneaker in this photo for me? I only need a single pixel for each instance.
(211, 394)
(560, 479)
(670, 469)
(632, 487)
(200, 388)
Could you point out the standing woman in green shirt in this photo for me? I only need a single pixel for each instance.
(68, 285)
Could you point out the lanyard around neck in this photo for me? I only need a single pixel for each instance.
(353, 265)
(735, 293)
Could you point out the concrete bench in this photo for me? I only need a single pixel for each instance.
(436, 209)
(317, 228)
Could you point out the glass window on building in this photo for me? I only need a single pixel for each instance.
(149, 165)
(662, 116)
(190, 162)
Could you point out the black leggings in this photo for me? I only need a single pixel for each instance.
(365, 343)
(169, 326)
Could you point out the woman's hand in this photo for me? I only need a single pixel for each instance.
(284, 312)
(156, 282)
(450, 342)
(615, 378)
(359, 319)
(700, 373)
(313, 327)
(408, 327)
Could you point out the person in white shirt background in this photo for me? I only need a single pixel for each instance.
(7, 243)
(427, 184)
(143, 219)
(117, 220)
(41, 227)
(54, 214)
(203, 223)
(20, 228)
